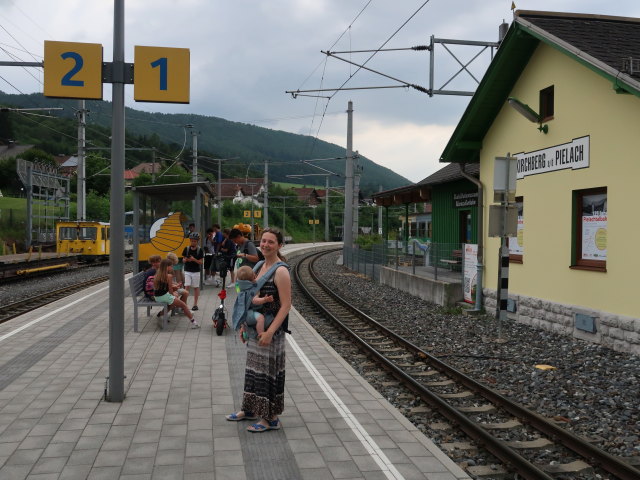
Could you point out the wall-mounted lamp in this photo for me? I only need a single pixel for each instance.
(527, 112)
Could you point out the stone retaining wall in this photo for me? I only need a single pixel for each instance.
(618, 332)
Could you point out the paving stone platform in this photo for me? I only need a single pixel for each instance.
(55, 423)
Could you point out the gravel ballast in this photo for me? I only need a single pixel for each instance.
(591, 389)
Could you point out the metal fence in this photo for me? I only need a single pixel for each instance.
(434, 260)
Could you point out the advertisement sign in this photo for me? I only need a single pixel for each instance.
(594, 227)
(516, 244)
(470, 281)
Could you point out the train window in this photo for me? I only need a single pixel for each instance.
(68, 233)
(88, 233)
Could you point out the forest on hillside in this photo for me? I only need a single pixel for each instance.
(248, 145)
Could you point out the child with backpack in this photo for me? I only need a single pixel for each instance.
(164, 290)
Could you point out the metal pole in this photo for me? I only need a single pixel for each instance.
(265, 220)
(153, 165)
(314, 224)
(116, 262)
(81, 213)
(356, 199)
(326, 209)
(347, 224)
(253, 236)
(194, 151)
(220, 192)
(29, 192)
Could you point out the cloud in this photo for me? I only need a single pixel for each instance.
(409, 149)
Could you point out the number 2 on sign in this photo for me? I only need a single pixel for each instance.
(67, 79)
(162, 63)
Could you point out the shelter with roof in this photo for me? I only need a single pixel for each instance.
(573, 81)
(160, 216)
(450, 212)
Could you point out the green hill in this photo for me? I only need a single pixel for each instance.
(218, 138)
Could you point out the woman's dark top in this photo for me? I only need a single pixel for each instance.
(161, 289)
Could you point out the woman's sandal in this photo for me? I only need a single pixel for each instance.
(238, 416)
(258, 427)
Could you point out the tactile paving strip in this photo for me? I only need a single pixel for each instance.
(267, 455)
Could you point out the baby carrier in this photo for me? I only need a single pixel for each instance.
(247, 290)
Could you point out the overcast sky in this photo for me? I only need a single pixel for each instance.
(246, 53)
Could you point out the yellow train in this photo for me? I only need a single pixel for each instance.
(89, 240)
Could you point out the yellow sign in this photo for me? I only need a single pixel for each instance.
(257, 213)
(247, 214)
(161, 74)
(72, 70)
(316, 221)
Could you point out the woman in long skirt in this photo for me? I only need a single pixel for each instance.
(263, 397)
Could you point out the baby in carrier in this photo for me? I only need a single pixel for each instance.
(246, 309)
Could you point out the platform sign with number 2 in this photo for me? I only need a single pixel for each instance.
(73, 70)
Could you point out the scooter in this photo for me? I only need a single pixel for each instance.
(219, 316)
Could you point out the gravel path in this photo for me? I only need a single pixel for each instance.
(593, 390)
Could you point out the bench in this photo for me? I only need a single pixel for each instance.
(455, 262)
(136, 285)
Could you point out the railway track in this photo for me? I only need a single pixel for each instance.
(483, 414)
(28, 304)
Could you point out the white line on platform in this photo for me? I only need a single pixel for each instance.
(369, 444)
(37, 320)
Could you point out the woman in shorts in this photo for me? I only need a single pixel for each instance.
(165, 290)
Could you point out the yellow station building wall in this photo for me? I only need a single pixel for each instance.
(584, 104)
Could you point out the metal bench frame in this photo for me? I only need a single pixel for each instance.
(136, 285)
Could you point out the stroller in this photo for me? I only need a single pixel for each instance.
(219, 316)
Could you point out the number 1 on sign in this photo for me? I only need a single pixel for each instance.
(162, 63)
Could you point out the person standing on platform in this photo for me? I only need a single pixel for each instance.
(192, 258)
(263, 396)
(246, 250)
(228, 251)
(209, 257)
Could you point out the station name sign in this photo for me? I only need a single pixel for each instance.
(573, 155)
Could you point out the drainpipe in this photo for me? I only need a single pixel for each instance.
(477, 182)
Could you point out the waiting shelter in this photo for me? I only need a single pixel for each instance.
(161, 220)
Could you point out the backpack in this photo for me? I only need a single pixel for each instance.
(249, 290)
(149, 289)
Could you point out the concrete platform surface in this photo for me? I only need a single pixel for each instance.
(55, 424)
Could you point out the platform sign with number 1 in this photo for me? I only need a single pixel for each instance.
(73, 70)
(161, 74)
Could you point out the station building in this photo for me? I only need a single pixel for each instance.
(562, 96)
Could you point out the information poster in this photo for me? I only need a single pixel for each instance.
(594, 227)
(516, 244)
(470, 272)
